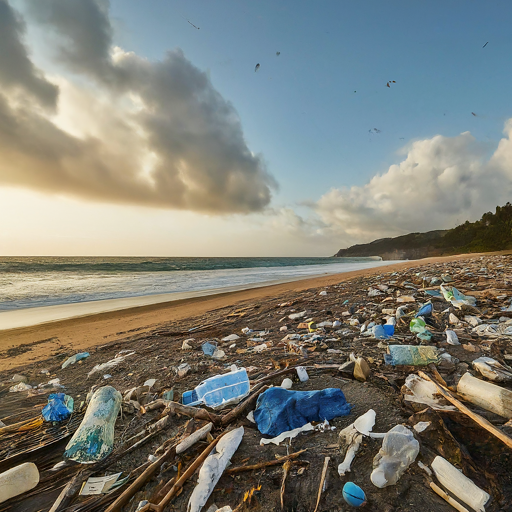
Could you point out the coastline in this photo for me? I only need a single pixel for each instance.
(34, 343)
(32, 316)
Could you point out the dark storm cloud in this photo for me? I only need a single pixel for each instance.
(17, 73)
(199, 157)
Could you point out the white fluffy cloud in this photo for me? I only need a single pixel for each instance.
(441, 181)
(135, 131)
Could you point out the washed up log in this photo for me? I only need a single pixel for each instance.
(94, 438)
(475, 417)
(486, 395)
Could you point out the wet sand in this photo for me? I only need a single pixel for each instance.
(82, 333)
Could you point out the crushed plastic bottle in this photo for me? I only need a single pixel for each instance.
(220, 390)
(399, 450)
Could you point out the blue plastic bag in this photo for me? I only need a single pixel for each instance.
(58, 408)
(279, 410)
(383, 332)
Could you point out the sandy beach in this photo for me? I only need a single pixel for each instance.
(30, 344)
(148, 352)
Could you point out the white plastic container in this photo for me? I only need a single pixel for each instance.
(302, 374)
(459, 484)
(18, 480)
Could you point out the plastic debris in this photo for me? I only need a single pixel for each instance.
(220, 390)
(350, 438)
(18, 480)
(94, 439)
(411, 355)
(213, 467)
(492, 369)
(74, 359)
(451, 337)
(459, 484)
(109, 364)
(486, 395)
(279, 410)
(58, 408)
(354, 495)
(398, 452)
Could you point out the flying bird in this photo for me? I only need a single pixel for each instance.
(485, 44)
(390, 82)
(257, 67)
(374, 130)
(278, 53)
(474, 114)
(194, 25)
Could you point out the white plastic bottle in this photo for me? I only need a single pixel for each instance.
(398, 452)
(18, 480)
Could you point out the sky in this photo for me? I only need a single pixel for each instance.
(147, 128)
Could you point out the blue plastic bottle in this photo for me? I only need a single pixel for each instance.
(219, 390)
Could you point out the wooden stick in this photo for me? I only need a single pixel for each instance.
(72, 488)
(262, 465)
(127, 495)
(181, 481)
(322, 480)
(243, 406)
(193, 412)
(286, 467)
(475, 417)
(446, 497)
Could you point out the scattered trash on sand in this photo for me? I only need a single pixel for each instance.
(399, 381)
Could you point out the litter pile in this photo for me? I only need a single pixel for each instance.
(394, 390)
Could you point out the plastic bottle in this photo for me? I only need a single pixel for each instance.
(459, 484)
(399, 450)
(18, 480)
(219, 390)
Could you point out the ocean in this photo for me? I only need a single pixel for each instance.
(29, 282)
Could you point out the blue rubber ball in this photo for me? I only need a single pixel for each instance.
(353, 495)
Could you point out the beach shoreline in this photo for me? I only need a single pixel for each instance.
(25, 345)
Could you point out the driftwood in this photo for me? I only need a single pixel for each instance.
(322, 480)
(475, 417)
(192, 412)
(127, 495)
(286, 468)
(262, 465)
(446, 497)
(181, 481)
(244, 406)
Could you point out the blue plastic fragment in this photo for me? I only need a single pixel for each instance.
(209, 348)
(425, 310)
(279, 410)
(353, 494)
(383, 332)
(58, 408)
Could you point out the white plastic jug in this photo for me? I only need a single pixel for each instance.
(398, 452)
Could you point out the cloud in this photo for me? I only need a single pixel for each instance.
(17, 72)
(441, 182)
(149, 133)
